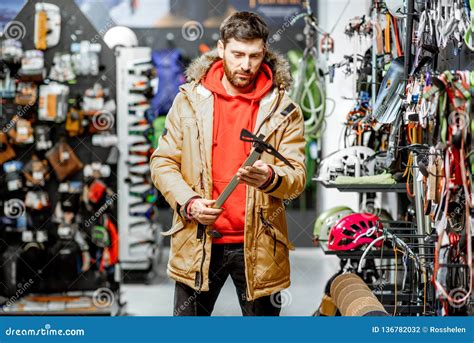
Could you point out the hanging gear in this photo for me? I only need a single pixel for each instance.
(32, 66)
(36, 172)
(42, 138)
(387, 104)
(326, 44)
(26, 93)
(37, 200)
(96, 170)
(96, 191)
(395, 7)
(6, 150)
(169, 67)
(47, 25)
(13, 175)
(62, 69)
(53, 102)
(100, 236)
(74, 122)
(63, 159)
(22, 132)
(11, 51)
(308, 91)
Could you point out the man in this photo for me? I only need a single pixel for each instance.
(241, 85)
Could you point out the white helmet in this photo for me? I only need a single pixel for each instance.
(352, 161)
(120, 36)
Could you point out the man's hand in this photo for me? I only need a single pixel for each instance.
(255, 175)
(202, 211)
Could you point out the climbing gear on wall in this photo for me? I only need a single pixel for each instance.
(47, 25)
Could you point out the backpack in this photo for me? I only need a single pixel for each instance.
(170, 71)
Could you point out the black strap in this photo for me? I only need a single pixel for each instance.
(278, 183)
(200, 231)
(288, 109)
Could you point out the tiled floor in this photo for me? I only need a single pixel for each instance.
(310, 271)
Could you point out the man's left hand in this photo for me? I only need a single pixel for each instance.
(255, 175)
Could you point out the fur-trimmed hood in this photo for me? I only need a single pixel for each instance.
(277, 63)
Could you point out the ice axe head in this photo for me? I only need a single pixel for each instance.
(260, 146)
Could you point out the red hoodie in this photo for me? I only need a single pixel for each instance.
(231, 115)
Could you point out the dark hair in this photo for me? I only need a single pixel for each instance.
(243, 26)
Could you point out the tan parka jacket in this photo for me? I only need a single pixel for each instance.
(181, 169)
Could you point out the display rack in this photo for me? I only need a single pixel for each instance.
(407, 302)
(75, 28)
(64, 304)
(365, 188)
(412, 300)
(139, 236)
(419, 296)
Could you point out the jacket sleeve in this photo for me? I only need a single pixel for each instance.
(165, 162)
(288, 183)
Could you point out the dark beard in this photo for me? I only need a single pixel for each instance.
(236, 81)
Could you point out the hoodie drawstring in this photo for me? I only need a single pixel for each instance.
(217, 119)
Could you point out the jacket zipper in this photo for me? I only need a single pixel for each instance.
(200, 276)
(201, 182)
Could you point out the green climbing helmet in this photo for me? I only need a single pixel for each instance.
(327, 217)
(383, 214)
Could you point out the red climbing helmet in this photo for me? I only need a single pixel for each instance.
(354, 231)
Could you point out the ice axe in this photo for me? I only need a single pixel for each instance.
(259, 146)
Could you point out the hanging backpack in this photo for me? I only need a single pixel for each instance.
(170, 71)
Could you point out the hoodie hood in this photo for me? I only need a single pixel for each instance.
(278, 65)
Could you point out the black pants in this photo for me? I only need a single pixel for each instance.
(226, 259)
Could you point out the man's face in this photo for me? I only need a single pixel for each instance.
(242, 60)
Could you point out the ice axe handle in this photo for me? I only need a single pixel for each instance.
(234, 182)
(254, 155)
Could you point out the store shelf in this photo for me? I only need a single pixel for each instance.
(367, 188)
(409, 310)
(63, 305)
(390, 298)
(357, 254)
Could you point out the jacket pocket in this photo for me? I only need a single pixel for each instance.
(183, 250)
(272, 252)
